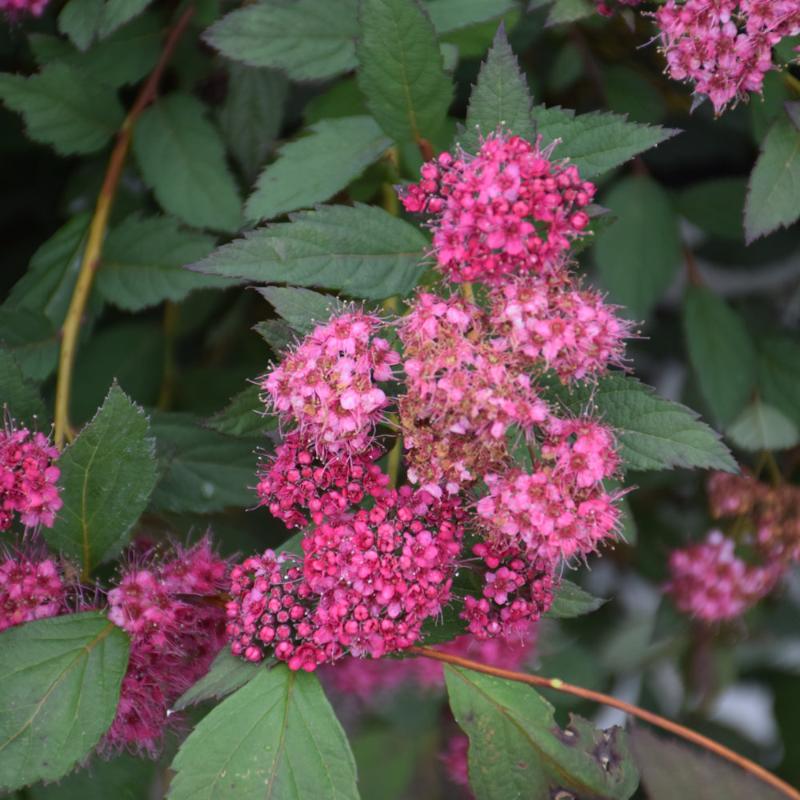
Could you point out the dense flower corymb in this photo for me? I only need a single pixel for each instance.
(31, 588)
(511, 209)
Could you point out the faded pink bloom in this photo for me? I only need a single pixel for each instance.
(455, 759)
(28, 478)
(508, 210)
(14, 9)
(31, 587)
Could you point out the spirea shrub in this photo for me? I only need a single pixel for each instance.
(330, 465)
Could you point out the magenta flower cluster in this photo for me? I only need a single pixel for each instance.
(31, 587)
(16, 8)
(377, 563)
(28, 478)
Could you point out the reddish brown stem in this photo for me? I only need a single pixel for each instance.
(598, 697)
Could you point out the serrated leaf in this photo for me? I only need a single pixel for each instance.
(226, 674)
(773, 195)
(779, 374)
(276, 333)
(572, 601)
(143, 263)
(202, 470)
(639, 255)
(182, 160)
(78, 20)
(62, 109)
(59, 687)
(313, 168)
(276, 738)
(243, 416)
(500, 98)
(762, 427)
(252, 114)
(517, 750)
(107, 475)
(301, 308)
(721, 352)
(672, 769)
(653, 433)
(117, 12)
(47, 286)
(598, 141)
(18, 395)
(360, 250)
(32, 340)
(308, 39)
(452, 15)
(400, 69)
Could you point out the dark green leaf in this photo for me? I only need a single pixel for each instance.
(62, 109)
(500, 98)
(203, 471)
(452, 15)
(252, 114)
(400, 69)
(672, 769)
(18, 395)
(301, 308)
(716, 206)
(721, 352)
(79, 19)
(276, 738)
(243, 416)
(59, 687)
(572, 601)
(276, 333)
(182, 159)
(226, 674)
(32, 340)
(779, 374)
(361, 250)
(117, 12)
(773, 196)
(563, 11)
(640, 254)
(762, 427)
(517, 750)
(107, 475)
(653, 433)
(313, 168)
(143, 263)
(308, 39)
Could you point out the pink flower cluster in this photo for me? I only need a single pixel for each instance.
(28, 478)
(724, 47)
(328, 384)
(16, 8)
(296, 483)
(170, 611)
(709, 581)
(31, 587)
(510, 209)
(366, 585)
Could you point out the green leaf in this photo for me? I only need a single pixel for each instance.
(243, 416)
(203, 471)
(779, 374)
(301, 308)
(517, 750)
(47, 286)
(62, 109)
(276, 333)
(18, 395)
(143, 263)
(226, 674)
(762, 427)
(563, 11)
(640, 254)
(400, 69)
(252, 114)
(182, 160)
(360, 250)
(313, 168)
(276, 738)
(721, 352)
(653, 433)
(117, 12)
(773, 195)
(59, 687)
(500, 98)
(78, 20)
(32, 340)
(716, 206)
(671, 769)
(599, 141)
(107, 475)
(572, 601)
(452, 15)
(307, 39)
